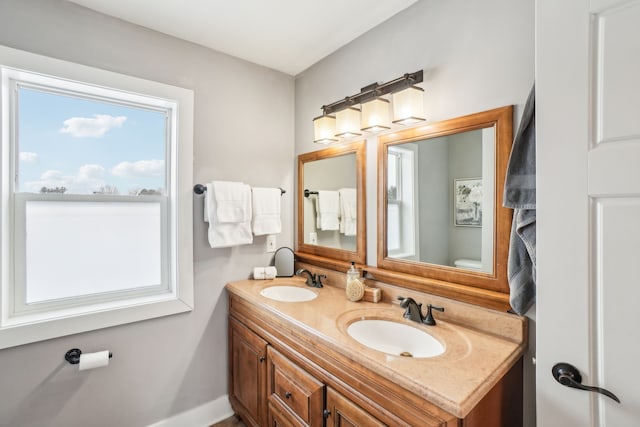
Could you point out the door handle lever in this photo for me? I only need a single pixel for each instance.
(569, 376)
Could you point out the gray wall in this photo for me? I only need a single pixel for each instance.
(434, 189)
(243, 117)
(465, 157)
(476, 56)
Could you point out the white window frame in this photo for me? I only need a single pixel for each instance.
(406, 200)
(20, 324)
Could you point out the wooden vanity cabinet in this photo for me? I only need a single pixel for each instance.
(282, 378)
(247, 379)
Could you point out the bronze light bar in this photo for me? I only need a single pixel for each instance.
(375, 90)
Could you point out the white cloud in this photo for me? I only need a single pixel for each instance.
(96, 127)
(139, 169)
(88, 179)
(28, 156)
(87, 173)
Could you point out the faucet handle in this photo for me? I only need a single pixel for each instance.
(318, 280)
(428, 319)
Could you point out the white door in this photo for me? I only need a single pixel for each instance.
(588, 165)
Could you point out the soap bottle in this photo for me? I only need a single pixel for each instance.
(355, 286)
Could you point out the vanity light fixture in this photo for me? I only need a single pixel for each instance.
(324, 129)
(342, 119)
(375, 115)
(348, 122)
(408, 106)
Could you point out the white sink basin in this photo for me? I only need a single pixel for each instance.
(394, 338)
(288, 293)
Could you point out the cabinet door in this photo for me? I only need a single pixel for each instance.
(290, 387)
(247, 382)
(344, 413)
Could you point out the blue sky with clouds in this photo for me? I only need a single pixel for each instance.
(84, 144)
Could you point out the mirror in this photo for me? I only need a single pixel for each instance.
(440, 193)
(331, 203)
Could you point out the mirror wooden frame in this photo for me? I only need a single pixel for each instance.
(360, 254)
(445, 280)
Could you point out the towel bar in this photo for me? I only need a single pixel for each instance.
(200, 189)
(307, 193)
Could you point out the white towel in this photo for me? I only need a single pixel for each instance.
(328, 209)
(235, 208)
(266, 211)
(348, 211)
(264, 273)
(233, 201)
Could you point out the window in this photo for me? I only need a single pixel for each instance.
(94, 205)
(402, 185)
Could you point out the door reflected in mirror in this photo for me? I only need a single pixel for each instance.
(331, 202)
(440, 213)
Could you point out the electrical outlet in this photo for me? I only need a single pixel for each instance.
(271, 243)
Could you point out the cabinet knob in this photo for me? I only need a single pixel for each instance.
(288, 395)
(326, 413)
(262, 359)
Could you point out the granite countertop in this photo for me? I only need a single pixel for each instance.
(472, 363)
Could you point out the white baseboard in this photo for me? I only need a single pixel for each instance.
(200, 416)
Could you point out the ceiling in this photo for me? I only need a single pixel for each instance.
(286, 35)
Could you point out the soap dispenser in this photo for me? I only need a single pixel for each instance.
(355, 286)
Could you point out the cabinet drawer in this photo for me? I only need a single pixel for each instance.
(280, 417)
(294, 389)
(344, 413)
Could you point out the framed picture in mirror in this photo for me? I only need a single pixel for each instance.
(468, 197)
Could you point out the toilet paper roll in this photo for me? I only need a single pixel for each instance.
(94, 360)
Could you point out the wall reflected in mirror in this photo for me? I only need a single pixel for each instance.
(331, 202)
(437, 191)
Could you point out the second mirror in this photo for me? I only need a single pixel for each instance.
(331, 203)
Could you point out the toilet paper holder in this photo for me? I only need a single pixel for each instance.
(73, 356)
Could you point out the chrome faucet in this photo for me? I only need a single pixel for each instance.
(413, 311)
(314, 280)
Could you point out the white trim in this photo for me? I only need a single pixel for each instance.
(200, 416)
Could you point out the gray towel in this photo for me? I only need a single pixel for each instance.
(520, 181)
(520, 195)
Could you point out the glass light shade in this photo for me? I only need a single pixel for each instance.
(324, 130)
(348, 122)
(375, 115)
(408, 106)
